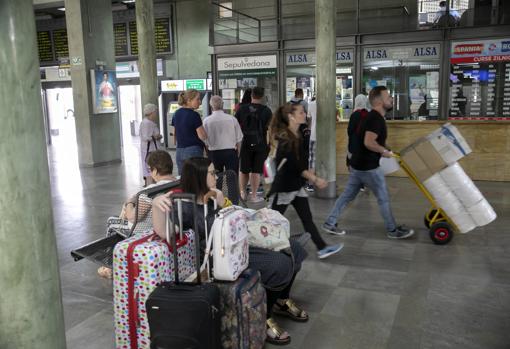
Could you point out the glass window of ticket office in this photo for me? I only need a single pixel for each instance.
(233, 84)
(301, 73)
(480, 80)
(411, 74)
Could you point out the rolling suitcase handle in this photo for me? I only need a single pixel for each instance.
(208, 238)
(170, 231)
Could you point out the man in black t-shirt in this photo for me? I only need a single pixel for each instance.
(371, 145)
(254, 120)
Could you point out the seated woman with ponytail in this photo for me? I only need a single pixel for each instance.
(278, 269)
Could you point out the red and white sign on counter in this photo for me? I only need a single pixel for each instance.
(497, 50)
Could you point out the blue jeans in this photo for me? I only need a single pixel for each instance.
(183, 154)
(374, 180)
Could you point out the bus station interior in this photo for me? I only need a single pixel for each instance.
(376, 293)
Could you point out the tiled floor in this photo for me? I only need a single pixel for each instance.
(377, 293)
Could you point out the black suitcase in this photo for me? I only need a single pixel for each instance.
(184, 315)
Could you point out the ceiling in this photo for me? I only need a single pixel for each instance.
(49, 9)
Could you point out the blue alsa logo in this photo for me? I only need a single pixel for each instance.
(505, 46)
(343, 56)
(298, 58)
(381, 53)
(425, 51)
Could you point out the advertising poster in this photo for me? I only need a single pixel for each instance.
(417, 91)
(291, 84)
(247, 83)
(303, 82)
(104, 91)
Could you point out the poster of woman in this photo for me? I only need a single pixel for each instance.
(105, 91)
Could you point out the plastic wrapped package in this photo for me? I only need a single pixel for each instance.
(482, 213)
(463, 187)
(443, 195)
(463, 221)
(449, 142)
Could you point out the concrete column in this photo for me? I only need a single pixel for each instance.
(146, 51)
(325, 29)
(31, 312)
(90, 37)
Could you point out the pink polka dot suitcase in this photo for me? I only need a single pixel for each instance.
(140, 263)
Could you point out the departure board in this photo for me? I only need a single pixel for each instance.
(60, 43)
(162, 35)
(53, 44)
(133, 38)
(506, 92)
(480, 80)
(120, 34)
(45, 46)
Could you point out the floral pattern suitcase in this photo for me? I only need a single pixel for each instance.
(243, 311)
(140, 263)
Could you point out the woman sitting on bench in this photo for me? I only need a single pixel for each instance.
(277, 269)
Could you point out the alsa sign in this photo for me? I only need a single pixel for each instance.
(431, 51)
(344, 56)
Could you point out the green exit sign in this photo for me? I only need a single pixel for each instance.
(197, 84)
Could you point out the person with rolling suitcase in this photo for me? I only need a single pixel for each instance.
(277, 269)
(184, 315)
(140, 263)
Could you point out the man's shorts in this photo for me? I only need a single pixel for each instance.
(252, 160)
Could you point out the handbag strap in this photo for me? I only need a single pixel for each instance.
(149, 145)
(273, 148)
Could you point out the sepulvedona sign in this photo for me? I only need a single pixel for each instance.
(247, 63)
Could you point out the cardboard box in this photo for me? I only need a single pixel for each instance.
(431, 154)
(423, 159)
(416, 164)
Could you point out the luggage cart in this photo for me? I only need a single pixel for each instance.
(441, 227)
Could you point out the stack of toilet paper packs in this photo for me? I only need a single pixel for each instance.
(433, 159)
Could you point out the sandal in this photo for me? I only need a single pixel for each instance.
(275, 334)
(290, 310)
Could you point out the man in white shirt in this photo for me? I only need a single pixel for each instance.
(442, 12)
(224, 137)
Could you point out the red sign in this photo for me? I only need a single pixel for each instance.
(468, 49)
(481, 59)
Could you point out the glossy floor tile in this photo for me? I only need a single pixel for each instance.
(377, 293)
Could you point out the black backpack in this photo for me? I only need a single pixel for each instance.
(253, 131)
(357, 137)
